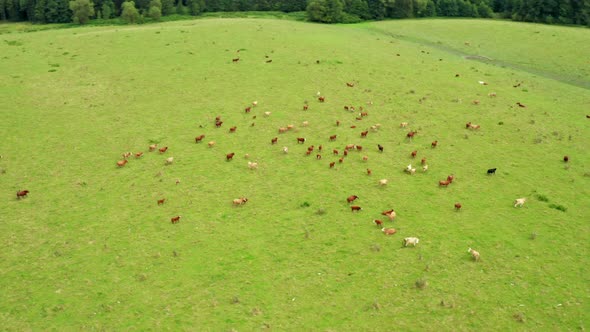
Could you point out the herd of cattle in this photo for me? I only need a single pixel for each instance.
(390, 214)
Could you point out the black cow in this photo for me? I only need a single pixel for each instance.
(491, 171)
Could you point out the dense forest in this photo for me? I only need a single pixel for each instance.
(327, 11)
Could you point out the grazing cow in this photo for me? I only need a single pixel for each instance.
(337, 123)
(305, 123)
(434, 144)
(350, 85)
(320, 148)
(411, 240)
(365, 158)
(233, 129)
(378, 222)
(283, 130)
(176, 219)
(384, 213)
(153, 147)
(519, 202)
(364, 133)
(520, 105)
(300, 140)
(457, 206)
(491, 94)
(252, 165)
(169, 160)
(305, 107)
(161, 201)
(423, 161)
(411, 134)
(211, 144)
(274, 140)
(247, 155)
(234, 60)
(408, 168)
(332, 164)
(414, 153)
(351, 198)
(424, 168)
(229, 156)
(345, 153)
(335, 152)
(255, 103)
(474, 254)
(164, 149)
(380, 147)
(218, 123)
(475, 102)
(566, 159)
(290, 126)
(412, 171)
(349, 146)
(333, 138)
(492, 171)
(127, 155)
(389, 231)
(248, 109)
(138, 155)
(199, 138)
(267, 114)
(240, 201)
(444, 183)
(322, 99)
(355, 208)
(341, 160)
(369, 172)
(391, 215)
(285, 149)
(122, 163)
(470, 125)
(450, 178)
(218, 118)
(358, 147)
(318, 156)
(21, 194)
(383, 182)
(363, 114)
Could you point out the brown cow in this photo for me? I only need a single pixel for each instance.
(457, 206)
(199, 138)
(229, 156)
(161, 201)
(22, 194)
(355, 208)
(176, 219)
(351, 198)
(274, 140)
(300, 140)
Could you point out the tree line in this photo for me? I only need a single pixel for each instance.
(325, 11)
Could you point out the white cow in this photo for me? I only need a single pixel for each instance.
(519, 202)
(411, 240)
(474, 254)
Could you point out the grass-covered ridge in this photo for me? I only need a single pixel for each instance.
(90, 249)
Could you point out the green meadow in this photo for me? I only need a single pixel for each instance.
(90, 249)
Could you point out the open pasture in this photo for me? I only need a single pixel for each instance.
(90, 247)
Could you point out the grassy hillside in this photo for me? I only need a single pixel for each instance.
(90, 248)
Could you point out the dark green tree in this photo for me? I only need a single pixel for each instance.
(108, 9)
(82, 10)
(129, 13)
(168, 7)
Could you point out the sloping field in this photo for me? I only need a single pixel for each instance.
(90, 248)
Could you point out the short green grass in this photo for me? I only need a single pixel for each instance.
(89, 249)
